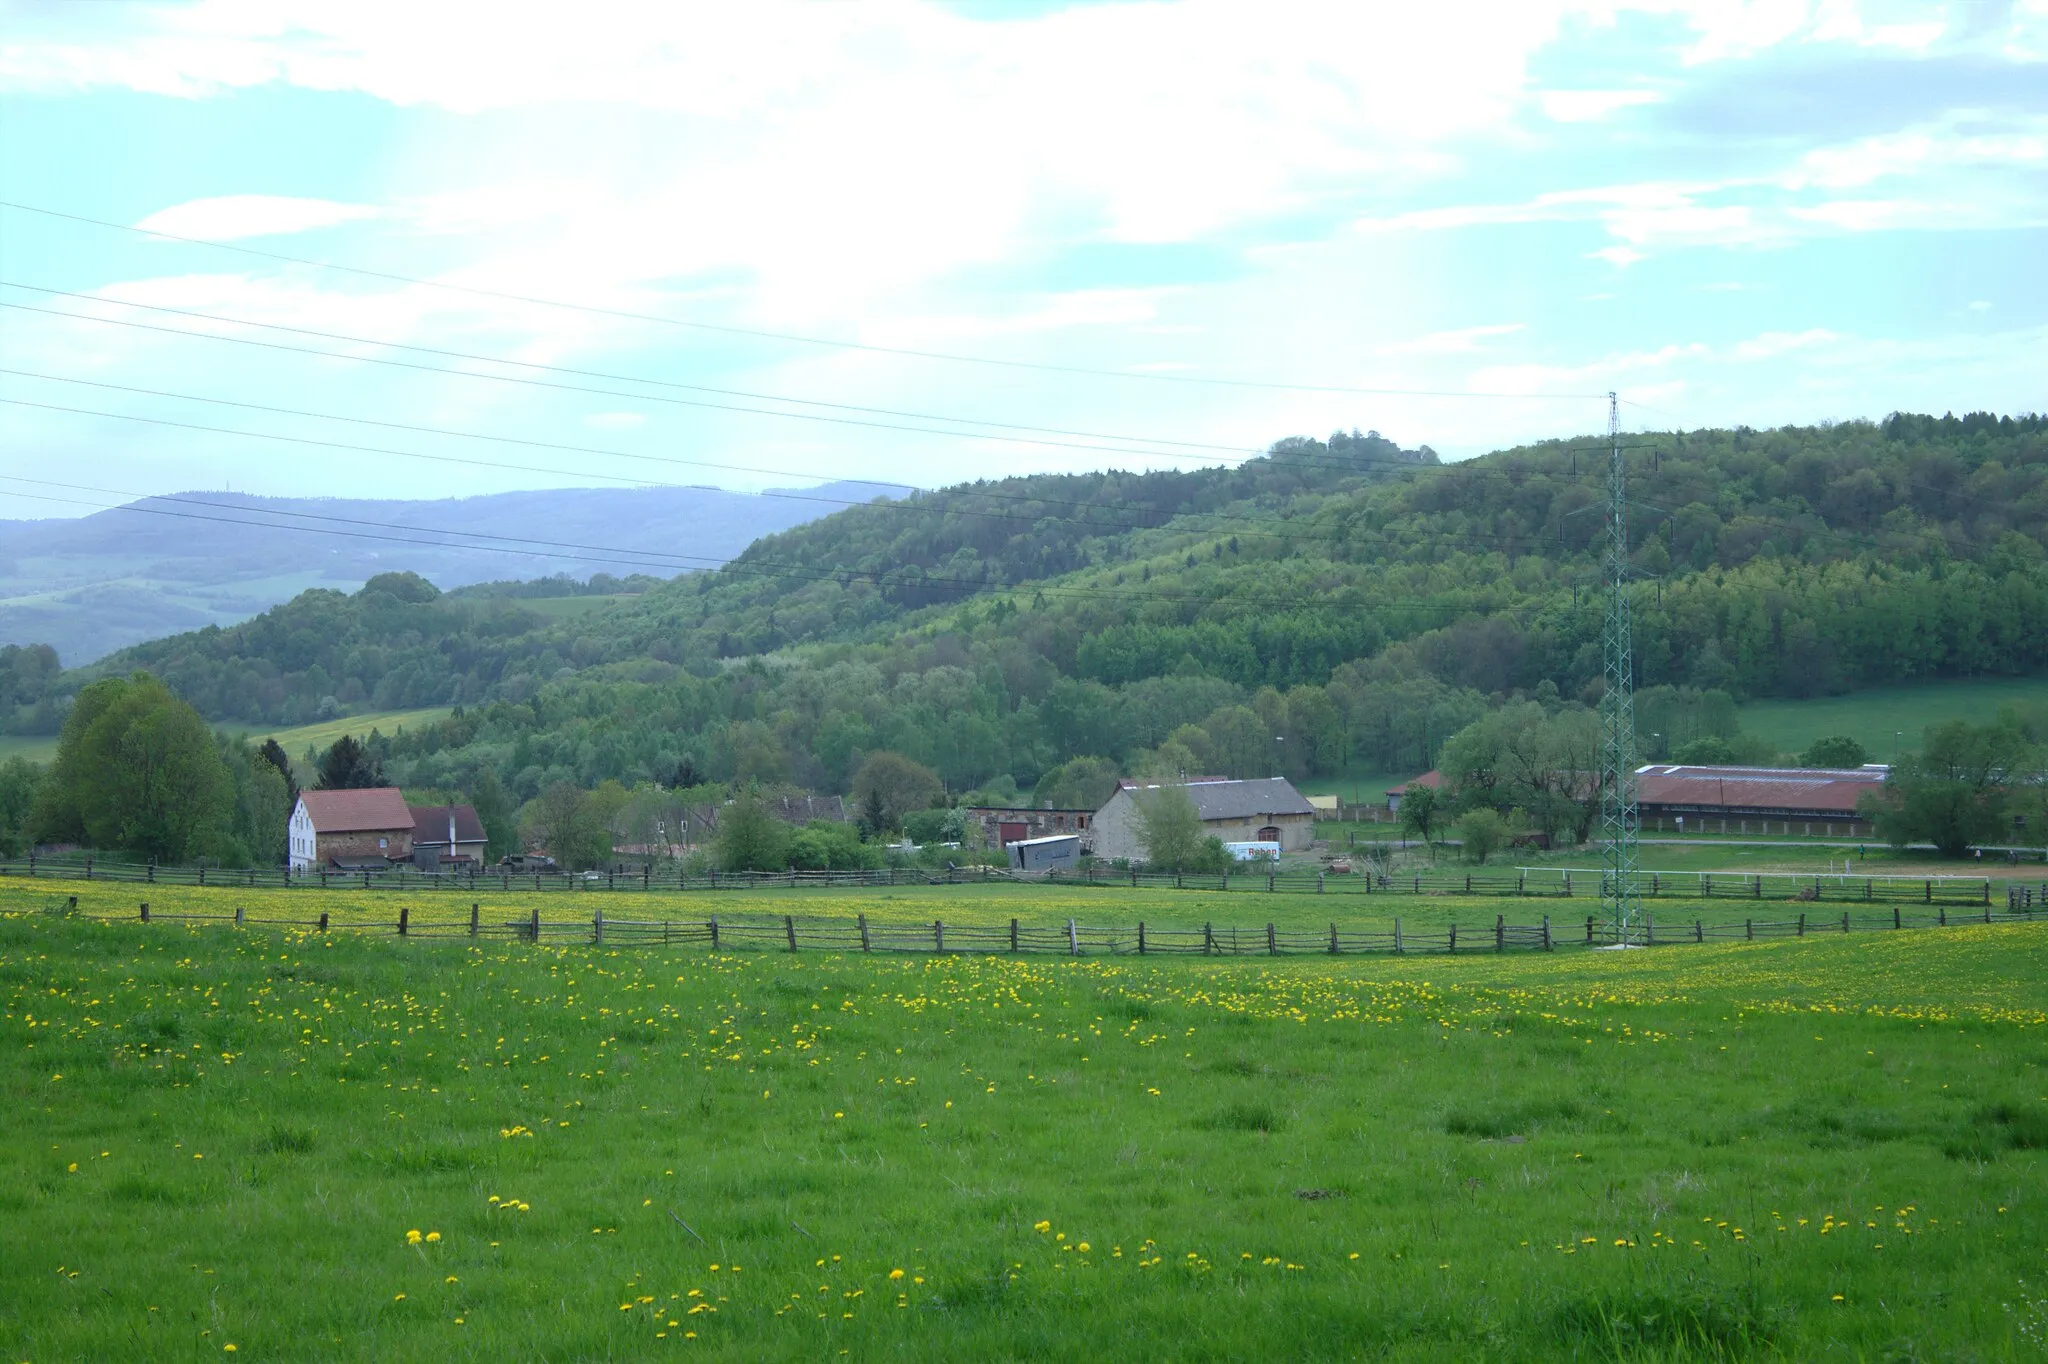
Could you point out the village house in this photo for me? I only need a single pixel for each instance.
(350, 830)
(1002, 825)
(446, 835)
(1263, 810)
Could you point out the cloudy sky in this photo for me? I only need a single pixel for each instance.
(743, 244)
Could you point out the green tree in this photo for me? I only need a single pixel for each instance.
(494, 811)
(567, 825)
(1083, 783)
(348, 766)
(749, 838)
(1481, 831)
(1420, 813)
(138, 770)
(889, 786)
(260, 812)
(19, 779)
(1836, 750)
(1170, 827)
(273, 753)
(1952, 792)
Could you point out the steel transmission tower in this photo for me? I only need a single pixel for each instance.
(1620, 894)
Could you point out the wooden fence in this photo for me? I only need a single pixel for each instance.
(1547, 883)
(799, 933)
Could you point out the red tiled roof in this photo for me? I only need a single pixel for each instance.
(373, 808)
(1791, 789)
(1431, 778)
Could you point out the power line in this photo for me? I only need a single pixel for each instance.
(584, 389)
(628, 378)
(792, 337)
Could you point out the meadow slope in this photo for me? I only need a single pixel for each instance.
(343, 1147)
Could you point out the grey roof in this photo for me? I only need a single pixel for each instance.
(1238, 799)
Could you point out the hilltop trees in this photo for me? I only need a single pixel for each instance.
(889, 786)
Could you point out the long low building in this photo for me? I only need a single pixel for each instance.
(1265, 810)
(1785, 800)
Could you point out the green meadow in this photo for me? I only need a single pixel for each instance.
(294, 1146)
(1886, 720)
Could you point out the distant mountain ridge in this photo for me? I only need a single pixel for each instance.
(95, 584)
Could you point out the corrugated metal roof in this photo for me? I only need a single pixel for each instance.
(1236, 799)
(378, 808)
(1794, 789)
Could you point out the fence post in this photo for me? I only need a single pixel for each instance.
(1208, 940)
(1013, 935)
(1699, 930)
(238, 911)
(1272, 941)
(1546, 932)
(1454, 940)
(1321, 875)
(1269, 882)
(403, 913)
(1522, 883)
(938, 936)
(474, 909)
(1845, 921)
(1073, 939)
(1759, 887)
(1500, 932)
(1802, 924)
(862, 921)
(1397, 937)
(1468, 883)
(151, 876)
(789, 927)
(1987, 903)
(323, 921)
(1141, 937)
(1895, 916)
(714, 932)
(536, 923)
(1655, 884)
(202, 873)
(1649, 930)
(1749, 930)
(597, 925)
(1987, 891)
(1589, 930)
(145, 911)
(1333, 940)
(1941, 916)
(1927, 893)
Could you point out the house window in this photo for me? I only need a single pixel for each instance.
(1269, 834)
(381, 842)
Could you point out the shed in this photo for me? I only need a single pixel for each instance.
(1045, 854)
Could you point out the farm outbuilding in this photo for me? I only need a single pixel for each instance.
(1053, 852)
(1264, 810)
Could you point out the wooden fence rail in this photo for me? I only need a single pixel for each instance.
(1564, 883)
(813, 933)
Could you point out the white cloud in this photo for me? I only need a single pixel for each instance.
(1590, 106)
(234, 217)
(1463, 341)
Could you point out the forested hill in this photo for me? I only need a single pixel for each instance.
(1348, 597)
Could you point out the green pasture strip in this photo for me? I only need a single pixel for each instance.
(350, 1148)
(1882, 718)
(979, 918)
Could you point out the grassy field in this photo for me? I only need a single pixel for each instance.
(322, 733)
(1882, 718)
(562, 608)
(39, 748)
(337, 1147)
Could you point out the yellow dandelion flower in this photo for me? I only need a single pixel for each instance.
(433, 1236)
(412, 1238)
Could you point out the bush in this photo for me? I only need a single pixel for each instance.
(1482, 832)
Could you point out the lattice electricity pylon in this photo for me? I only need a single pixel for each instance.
(1620, 891)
